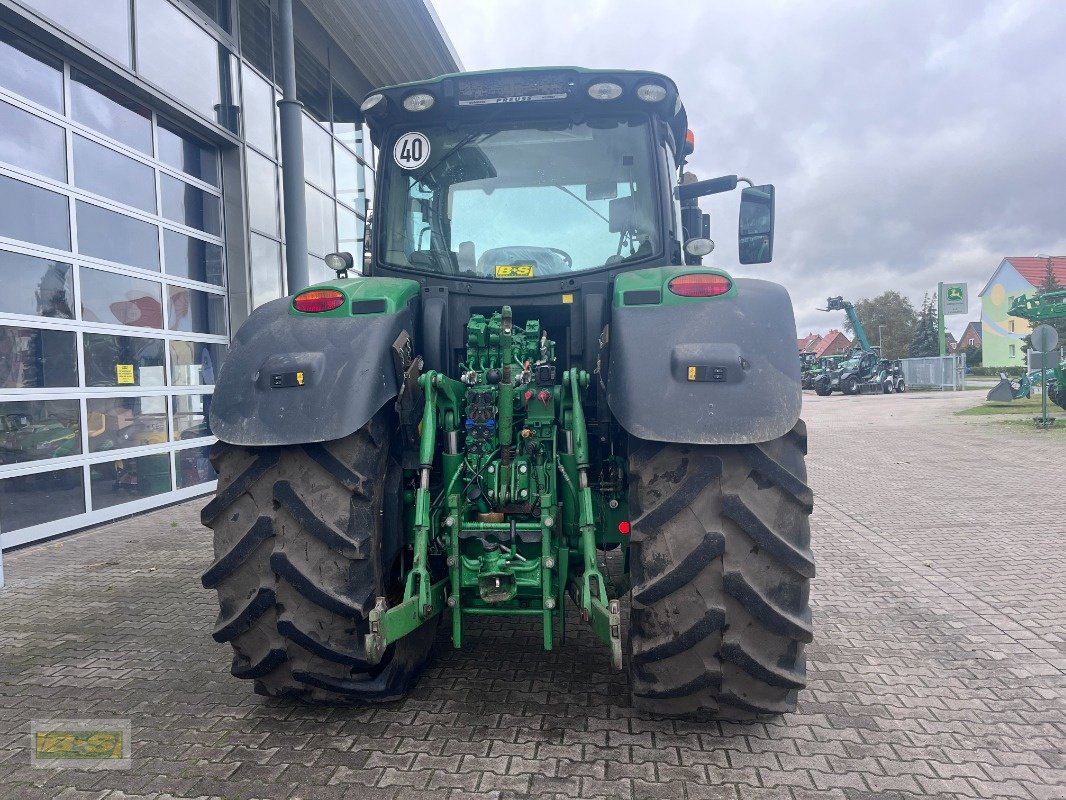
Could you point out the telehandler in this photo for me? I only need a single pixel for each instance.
(529, 374)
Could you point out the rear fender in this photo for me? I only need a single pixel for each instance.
(715, 370)
(292, 378)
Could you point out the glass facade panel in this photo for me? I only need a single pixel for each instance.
(36, 358)
(262, 193)
(29, 500)
(193, 466)
(107, 27)
(97, 105)
(321, 232)
(30, 143)
(115, 482)
(192, 258)
(317, 271)
(33, 214)
(36, 430)
(351, 186)
(256, 38)
(106, 234)
(312, 83)
(195, 363)
(36, 286)
(178, 55)
(259, 110)
(318, 167)
(347, 121)
(27, 71)
(119, 361)
(185, 152)
(217, 11)
(191, 416)
(266, 270)
(350, 235)
(116, 423)
(196, 312)
(120, 300)
(103, 171)
(187, 205)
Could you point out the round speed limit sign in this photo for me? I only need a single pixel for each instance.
(411, 150)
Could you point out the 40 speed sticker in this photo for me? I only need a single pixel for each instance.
(411, 150)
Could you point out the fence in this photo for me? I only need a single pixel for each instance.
(939, 372)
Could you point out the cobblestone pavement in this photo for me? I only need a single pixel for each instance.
(939, 668)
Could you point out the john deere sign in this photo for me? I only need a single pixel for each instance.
(954, 298)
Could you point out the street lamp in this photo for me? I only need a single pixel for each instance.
(881, 339)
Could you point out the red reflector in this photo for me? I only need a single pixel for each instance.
(701, 285)
(318, 300)
(623, 528)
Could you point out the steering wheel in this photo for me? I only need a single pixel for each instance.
(565, 256)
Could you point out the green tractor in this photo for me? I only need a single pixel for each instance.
(533, 395)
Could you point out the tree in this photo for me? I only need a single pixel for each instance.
(973, 355)
(926, 340)
(894, 314)
(1049, 283)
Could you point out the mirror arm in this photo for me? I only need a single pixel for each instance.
(690, 191)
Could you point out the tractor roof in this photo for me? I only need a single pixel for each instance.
(525, 93)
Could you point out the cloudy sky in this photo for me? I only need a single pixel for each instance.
(910, 141)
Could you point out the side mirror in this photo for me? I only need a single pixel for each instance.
(756, 233)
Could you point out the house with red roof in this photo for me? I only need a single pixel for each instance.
(1001, 334)
(833, 343)
(809, 342)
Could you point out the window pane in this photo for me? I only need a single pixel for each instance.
(120, 299)
(346, 117)
(119, 422)
(320, 226)
(190, 413)
(195, 363)
(31, 143)
(351, 178)
(36, 499)
(217, 11)
(266, 270)
(115, 237)
(33, 214)
(262, 193)
(32, 358)
(107, 27)
(101, 170)
(187, 205)
(97, 105)
(317, 271)
(33, 430)
(318, 168)
(255, 35)
(350, 235)
(114, 482)
(123, 361)
(194, 466)
(27, 71)
(185, 152)
(258, 112)
(312, 84)
(178, 55)
(36, 286)
(195, 259)
(197, 312)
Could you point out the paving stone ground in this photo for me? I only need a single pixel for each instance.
(939, 667)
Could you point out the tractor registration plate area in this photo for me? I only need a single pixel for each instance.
(707, 373)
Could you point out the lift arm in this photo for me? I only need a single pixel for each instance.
(840, 304)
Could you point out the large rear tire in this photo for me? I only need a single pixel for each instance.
(299, 563)
(721, 568)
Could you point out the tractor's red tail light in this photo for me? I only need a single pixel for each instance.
(700, 285)
(318, 300)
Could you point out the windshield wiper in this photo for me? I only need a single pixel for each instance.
(583, 202)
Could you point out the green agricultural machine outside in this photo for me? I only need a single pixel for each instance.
(1039, 308)
(534, 395)
(862, 372)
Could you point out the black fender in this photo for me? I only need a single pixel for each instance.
(723, 371)
(346, 374)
